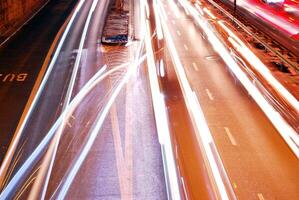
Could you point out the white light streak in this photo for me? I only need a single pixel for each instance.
(43, 177)
(158, 23)
(285, 130)
(19, 132)
(195, 111)
(256, 63)
(206, 10)
(162, 69)
(171, 177)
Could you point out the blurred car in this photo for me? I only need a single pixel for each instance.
(120, 39)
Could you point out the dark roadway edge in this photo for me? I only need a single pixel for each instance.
(14, 141)
(21, 25)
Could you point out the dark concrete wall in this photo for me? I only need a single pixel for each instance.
(13, 13)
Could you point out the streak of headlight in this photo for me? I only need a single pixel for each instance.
(33, 158)
(13, 165)
(203, 133)
(147, 9)
(41, 184)
(28, 182)
(13, 145)
(129, 43)
(285, 130)
(261, 68)
(206, 10)
(199, 3)
(164, 13)
(158, 23)
(94, 132)
(199, 9)
(171, 176)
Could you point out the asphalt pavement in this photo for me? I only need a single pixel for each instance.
(125, 159)
(259, 163)
(21, 59)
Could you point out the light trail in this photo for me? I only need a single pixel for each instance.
(9, 154)
(206, 10)
(96, 127)
(256, 63)
(33, 158)
(158, 23)
(171, 176)
(285, 130)
(41, 184)
(203, 133)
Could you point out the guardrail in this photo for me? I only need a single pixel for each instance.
(268, 47)
(282, 126)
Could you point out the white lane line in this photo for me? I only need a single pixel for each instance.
(260, 196)
(178, 32)
(195, 66)
(209, 95)
(27, 113)
(173, 22)
(234, 185)
(186, 47)
(230, 136)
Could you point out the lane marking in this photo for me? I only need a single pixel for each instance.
(195, 66)
(234, 185)
(178, 32)
(186, 47)
(161, 117)
(31, 101)
(203, 133)
(260, 196)
(230, 136)
(173, 22)
(46, 168)
(86, 125)
(209, 95)
(120, 160)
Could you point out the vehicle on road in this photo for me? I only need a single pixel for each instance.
(120, 39)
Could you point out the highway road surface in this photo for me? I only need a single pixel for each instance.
(124, 160)
(21, 59)
(259, 163)
(273, 19)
